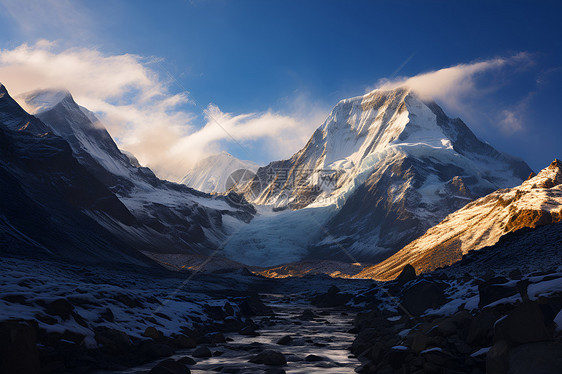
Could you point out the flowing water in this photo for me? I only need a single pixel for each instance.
(325, 336)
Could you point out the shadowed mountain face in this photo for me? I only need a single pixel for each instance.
(172, 218)
(383, 168)
(68, 191)
(536, 202)
(48, 198)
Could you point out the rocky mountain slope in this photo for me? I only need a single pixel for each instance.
(481, 223)
(212, 173)
(172, 218)
(381, 170)
(49, 199)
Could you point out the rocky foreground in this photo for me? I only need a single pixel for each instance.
(472, 317)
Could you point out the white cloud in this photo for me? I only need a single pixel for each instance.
(451, 86)
(142, 113)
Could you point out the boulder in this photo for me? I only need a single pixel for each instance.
(285, 340)
(202, 352)
(494, 289)
(152, 332)
(525, 324)
(313, 358)
(113, 340)
(270, 357)
(540, 357)
(253, 306)
(18, 347)
(170, 367)
(497, 358)
(331, 299)
(407, 274)
(423, 295)
(60, 307)
(183, 341)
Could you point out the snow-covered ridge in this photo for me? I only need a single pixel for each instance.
(211, 174)
(481, 223)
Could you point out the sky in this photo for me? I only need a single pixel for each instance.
(179, 80)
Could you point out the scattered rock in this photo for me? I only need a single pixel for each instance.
(313, 358)
(407, 274)
(497, 358)
(494, 290)
(422, 295)
(270, 357)
(248, 331)
(540, 357)
(60, 307)
(285, 340)
(202, 352)
(18, 347)
(525, 324)
(333, 298)
(113, 340)
(515, 274)
(108, 315)
(170, 367)
(187, 361)
(152, 332)
(183, 341)
(253, 306)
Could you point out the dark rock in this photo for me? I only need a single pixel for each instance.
(215, 312)
(61, 307)
(515, 274)
(248, 331)
(253, 306)
(525, 324)
(285, 340)
(114, 340)
(540, 357)
(422, 295)
(183, 341)
(187, 361)
(493, 290)
(152, 332)
(313, 358)
(108, 315)
(497, 358)
(333, 298)
(270, 357)
(202, 352)
(407, 274)
(18, 347)
(46, 319)
(216, 337)
(154, 350)
(307, 315)
(228, 309)
(170, 367)
(480, 330)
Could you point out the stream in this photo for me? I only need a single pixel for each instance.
(324, 335)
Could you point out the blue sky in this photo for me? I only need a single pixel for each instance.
(275, 61)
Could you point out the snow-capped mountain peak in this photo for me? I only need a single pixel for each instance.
(211, 174)
(382, 169)
(39, 101)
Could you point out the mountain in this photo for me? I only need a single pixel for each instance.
(49, 200)
(212, 173)
(481, 223)
(171, 218)
(380, 171)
